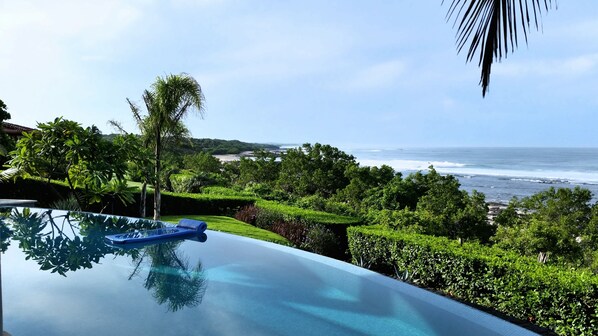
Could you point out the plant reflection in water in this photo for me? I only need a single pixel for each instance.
(62, 242)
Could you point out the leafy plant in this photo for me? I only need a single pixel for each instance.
(63, 150)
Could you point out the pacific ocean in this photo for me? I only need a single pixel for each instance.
(499, 172)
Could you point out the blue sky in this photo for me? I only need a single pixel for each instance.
(354, 74)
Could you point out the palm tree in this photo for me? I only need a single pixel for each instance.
(168, 102)
(491, 26)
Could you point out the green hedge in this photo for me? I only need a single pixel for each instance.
(34, 189)
(562, 300)
(296, 213)
(202, 204)
(218, 190)
(172, 203)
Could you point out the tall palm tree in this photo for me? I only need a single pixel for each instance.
(168, 102)
(491, 28)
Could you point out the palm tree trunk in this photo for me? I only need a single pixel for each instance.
(157, 200)
(142, 198)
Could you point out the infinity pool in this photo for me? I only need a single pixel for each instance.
(60, 278)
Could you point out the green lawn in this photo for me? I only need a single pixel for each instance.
(150, 188)
(231, 225)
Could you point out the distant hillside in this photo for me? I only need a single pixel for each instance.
(215, 146)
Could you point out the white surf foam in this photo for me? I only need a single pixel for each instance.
(445, 167)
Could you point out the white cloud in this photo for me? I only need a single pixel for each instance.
(574, 66)
(266, 48)
(376, 76)
(47, 49)
(41, 36)
(198, 3)
(586, 30)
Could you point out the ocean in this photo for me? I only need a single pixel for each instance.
(499, 173)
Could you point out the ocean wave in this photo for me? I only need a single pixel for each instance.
(547, 181)
(404, 165)
(533, 176)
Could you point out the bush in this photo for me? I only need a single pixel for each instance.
(247, 214)
(319, 203)
(193, 183)
(184, 183)
(314, 231)
(294, 231)
(321, 240)
(563, 300)
(265, 218)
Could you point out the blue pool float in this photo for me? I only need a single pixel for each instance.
(185, 228)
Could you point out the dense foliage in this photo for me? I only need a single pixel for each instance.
(64, 150)
(324, 178)
(193, 146)
(560, 299)
(217, 146)
(559, 224)
(6, 143)
(315, 231)
(318, 169)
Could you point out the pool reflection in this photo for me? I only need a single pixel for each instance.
(62, 242)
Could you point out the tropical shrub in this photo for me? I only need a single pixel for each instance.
(295, 231)
(555, 225)
(247, 214)
(64, 150)
(321, 240)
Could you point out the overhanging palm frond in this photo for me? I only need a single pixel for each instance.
(118, 126)
(491, 28)
(9, 173)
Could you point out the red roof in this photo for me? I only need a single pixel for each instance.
(14, 129)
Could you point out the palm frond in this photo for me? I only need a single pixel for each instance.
(136, 112)
(9, 173)
(118, 126)
(490, 27)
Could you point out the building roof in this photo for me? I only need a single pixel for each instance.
(14, 129)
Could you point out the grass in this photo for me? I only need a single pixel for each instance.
(150, 188)
(231, 225)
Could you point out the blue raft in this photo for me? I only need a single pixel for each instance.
(185, 228)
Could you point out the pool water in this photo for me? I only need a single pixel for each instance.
(60, 278)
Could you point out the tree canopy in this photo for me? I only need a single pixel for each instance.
(6, 143)
(64, 150)
(555, 223)
(318, 169)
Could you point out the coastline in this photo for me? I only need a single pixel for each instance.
(228, 157)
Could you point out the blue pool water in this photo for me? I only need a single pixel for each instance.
(226, 285)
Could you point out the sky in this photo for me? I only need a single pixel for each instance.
(353, 74)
